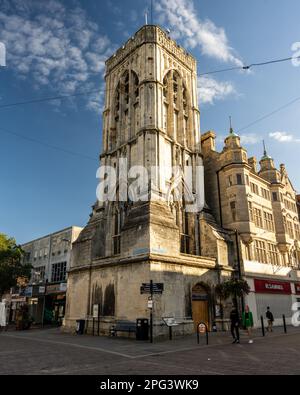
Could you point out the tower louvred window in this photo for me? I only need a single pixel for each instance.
(125, 103)
(176, 99)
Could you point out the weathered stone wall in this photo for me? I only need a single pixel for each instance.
(117, 289)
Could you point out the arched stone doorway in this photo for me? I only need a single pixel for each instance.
(200, 305)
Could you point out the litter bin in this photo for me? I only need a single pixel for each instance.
(142, 329)
(80, 324)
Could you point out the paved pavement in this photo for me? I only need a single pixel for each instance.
(49, 351)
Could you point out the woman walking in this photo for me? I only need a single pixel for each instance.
(248, 322)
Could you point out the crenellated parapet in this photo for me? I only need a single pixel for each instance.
(151, 35)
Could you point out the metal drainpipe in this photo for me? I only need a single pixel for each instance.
(219, 197)
(89, 294)
(46, 280)
(239, 264)
(221, 223)
(199, 234)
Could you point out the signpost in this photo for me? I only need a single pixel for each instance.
(157, 288)
(151, 288)
(170, 322)
(96, 314)
(203, 329)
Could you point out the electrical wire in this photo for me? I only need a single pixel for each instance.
(62, 97)
(269, 114)
(46, 99)
(251, 65)
(40, 142)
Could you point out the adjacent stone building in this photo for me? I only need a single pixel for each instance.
(259, 201)
(151, 119)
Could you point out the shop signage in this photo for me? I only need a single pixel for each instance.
(17, 298)
(63, 287)
(38, 290)
(56, 288)
(42, 289)
(297, 288)
(274, 287)
(28, 292)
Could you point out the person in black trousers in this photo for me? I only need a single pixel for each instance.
(235, 322)
(270, 319)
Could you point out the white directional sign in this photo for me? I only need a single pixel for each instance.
(95, 311)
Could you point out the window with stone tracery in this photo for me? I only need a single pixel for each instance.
(184, 236)
(125, 108)
(117, 232)
(176, 109)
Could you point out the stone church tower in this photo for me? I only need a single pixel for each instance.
(151, 119)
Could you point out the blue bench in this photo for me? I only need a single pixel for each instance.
(123, 326)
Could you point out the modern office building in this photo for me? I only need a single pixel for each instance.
(50, 258)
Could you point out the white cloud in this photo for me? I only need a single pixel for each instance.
(115, 9)
(284, 137)
(246, 139)
(210, 90)
(250, 138)
(57, 47)
(181, 17)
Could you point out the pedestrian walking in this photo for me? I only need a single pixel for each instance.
(270, 319)
(248, 322)
(235, 322)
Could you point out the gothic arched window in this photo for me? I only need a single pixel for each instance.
(176, 109)
(125, 109)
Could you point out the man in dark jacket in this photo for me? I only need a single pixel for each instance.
(235, 322)
(270, 319)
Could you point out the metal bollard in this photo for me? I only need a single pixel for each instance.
(284, 323)
(262, 325)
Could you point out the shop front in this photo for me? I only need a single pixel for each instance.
(270, 293)
(15, 302)
(36, 302)
(55, 303)
(297, 295)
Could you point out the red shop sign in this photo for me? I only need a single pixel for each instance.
(273, 287)
(297, 288)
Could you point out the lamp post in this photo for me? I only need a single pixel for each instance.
(235, 231)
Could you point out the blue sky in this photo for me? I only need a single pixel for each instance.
(59, 47)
